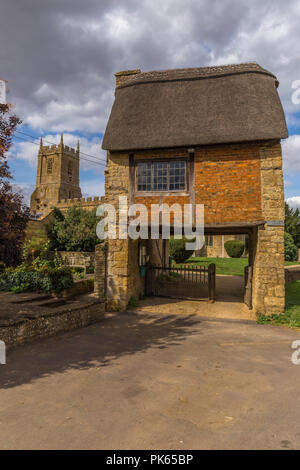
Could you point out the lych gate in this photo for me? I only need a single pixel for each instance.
(206, 136)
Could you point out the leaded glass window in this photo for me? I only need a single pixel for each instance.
(161, 176)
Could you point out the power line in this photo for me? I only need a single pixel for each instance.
(53, 143)
(82, 158)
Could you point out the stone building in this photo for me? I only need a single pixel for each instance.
(57, 181)
(207, 136)
(214, 246)
(57, 176)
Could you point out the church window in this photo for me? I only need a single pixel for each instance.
(49, 165)
(70, 171)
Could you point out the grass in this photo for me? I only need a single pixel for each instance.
(291, 316)
(235, 267)
(228, 266)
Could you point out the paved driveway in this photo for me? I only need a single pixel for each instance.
(143, 380)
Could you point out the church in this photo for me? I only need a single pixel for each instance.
(57, 181)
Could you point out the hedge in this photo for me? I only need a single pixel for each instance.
(178, 251)
(43, 280)
(234, 248)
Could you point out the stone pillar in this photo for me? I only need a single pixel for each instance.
(100, 271)
(268, 253)
(268, 273)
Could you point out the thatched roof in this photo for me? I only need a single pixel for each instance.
(197, 106)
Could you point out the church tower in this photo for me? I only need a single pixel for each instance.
(57, 176)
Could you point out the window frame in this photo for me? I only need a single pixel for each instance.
(49, 165)
(152, 161)
(70, 171)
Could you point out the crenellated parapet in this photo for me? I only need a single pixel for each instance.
(50, 149)
(84, 203)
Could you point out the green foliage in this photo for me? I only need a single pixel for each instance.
(76, 231)
(234, 248)
(27, 278)
(132, 303)
(19, 289)
(36, 252)
(290, 249)
(90, 269)
(178, 251)
(2, 267)
(292, 223)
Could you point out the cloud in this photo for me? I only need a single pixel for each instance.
(92, 157)
(291, 154)
(26, 189)
(294, 202)
(92, 188)
(60, 56)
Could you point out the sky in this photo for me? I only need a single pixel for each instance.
(59, 58)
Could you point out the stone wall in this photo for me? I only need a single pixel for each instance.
(217, 250)
(25, 330)
(123, 274)
(77, 258)
(292, 273)
(88, 203)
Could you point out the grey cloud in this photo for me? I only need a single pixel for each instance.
(60, 55)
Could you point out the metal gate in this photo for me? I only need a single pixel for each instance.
(193, 282)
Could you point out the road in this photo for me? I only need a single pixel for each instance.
(150, 381)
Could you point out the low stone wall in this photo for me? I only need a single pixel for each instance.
(292, 273)
(29, 328)
(80, 287)
(77, 258)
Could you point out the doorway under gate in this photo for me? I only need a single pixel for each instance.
(181, 282)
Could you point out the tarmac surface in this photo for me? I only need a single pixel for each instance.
(154, 380)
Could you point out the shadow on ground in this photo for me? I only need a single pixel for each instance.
(98, 345)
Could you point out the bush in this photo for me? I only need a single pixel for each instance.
(234, 248)
(74, 231)
(178, 251)
(43, 280)
(2, 267)
(290, 249)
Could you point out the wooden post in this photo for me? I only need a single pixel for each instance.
(148, 280)
(212, 282)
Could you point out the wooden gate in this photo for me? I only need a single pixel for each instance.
(182, 282)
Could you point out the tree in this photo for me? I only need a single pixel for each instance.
(14, 214)
(76, 231)
(292, 223)
(290, 249)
